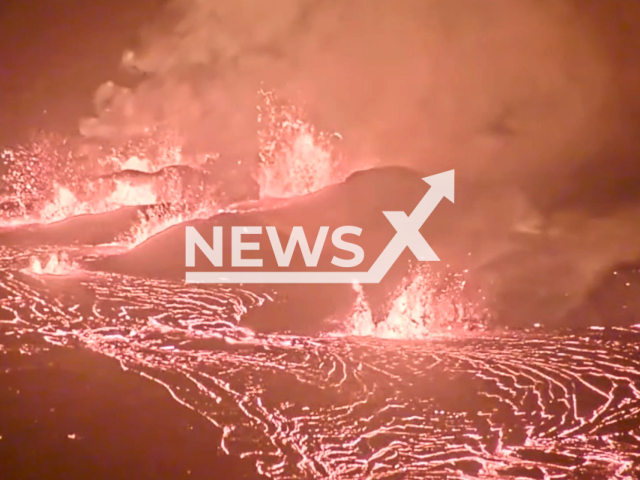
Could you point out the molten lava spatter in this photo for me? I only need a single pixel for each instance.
(294, 158)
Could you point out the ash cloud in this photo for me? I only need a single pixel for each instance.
(519, 89)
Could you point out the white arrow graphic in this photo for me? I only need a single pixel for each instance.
(407, 235)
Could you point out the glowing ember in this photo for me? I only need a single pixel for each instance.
(56, 264)
(154, 223)
(419, 309)
(295, 159)
(47, 180)
(158, 149)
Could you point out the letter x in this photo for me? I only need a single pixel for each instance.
(408, 230)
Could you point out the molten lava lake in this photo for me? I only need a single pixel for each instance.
(191, 393)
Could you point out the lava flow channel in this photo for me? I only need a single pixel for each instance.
(535, 406)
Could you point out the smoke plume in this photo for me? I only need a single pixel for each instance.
(522, 89)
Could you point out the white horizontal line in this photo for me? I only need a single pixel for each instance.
(280, 277)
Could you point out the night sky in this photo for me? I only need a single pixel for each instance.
(53, 56)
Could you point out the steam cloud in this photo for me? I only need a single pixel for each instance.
(516, 88)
